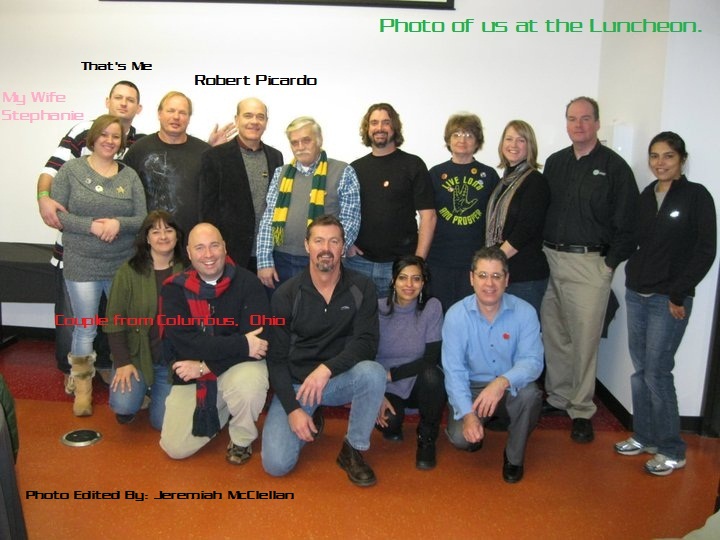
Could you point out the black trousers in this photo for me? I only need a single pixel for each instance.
(428, 396)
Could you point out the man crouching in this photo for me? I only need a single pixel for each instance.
(323, 356)
(216, 355)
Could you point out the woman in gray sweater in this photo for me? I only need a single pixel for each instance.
(104, 206)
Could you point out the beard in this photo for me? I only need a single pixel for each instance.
(325, 265)
(382, 143)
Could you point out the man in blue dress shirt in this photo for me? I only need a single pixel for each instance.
(492, 354)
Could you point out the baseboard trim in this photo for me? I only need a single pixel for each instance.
(613, 405)
(690, 424)
(28, 332)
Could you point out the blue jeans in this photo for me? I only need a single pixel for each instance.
(85, 300)
(287, 265)
(654, 336)
(131, 401)
(379, 272)
(530, 291)
(363, 386)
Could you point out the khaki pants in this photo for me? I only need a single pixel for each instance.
(241, 396)
(572, 314)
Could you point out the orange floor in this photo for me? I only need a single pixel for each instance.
(569, 490)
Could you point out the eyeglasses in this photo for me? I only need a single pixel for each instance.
(463, 135)
(495, 276)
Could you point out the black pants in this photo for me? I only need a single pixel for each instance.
(428, 396)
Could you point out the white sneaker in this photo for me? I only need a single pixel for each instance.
(630, 447)
(662, 465)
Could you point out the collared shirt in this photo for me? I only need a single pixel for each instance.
(348, 193)
(477, 350)
(244, 146)
(593, 201)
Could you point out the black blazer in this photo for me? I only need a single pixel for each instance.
(225, 198)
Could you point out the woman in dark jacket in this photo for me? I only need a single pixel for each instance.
(516, 211)
(676, 247)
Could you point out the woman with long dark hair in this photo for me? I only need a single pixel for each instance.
(131, 312)
(409, 349)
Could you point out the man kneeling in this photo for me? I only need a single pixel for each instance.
(214, 350)
(321, 356)
(492, 354)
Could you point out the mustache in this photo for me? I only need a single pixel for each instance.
(325, 254)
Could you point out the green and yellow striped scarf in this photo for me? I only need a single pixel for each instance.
(317, 197)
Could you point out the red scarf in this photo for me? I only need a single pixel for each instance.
(198, 293)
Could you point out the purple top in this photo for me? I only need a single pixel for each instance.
(403, 336)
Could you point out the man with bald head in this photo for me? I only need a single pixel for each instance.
(211, 318)
(234, 180)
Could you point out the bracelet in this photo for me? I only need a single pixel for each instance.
(201, 369)
(43, 194)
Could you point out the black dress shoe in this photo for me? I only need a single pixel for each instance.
(474, 447)
(319, 421)
(124, 418)
(551, 410)
(582, 430)
(352, 462)
(511, 473)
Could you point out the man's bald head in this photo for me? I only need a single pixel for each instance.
(251, 120)
(206, 250)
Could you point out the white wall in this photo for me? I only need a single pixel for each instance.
(652, 84)
(642, 81)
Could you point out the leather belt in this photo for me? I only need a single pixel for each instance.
(575, 248)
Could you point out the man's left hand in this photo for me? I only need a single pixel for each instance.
(310, 391)
(188, 370)
(486, 402)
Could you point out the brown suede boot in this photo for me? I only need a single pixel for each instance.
(82, 371)
(69, 384)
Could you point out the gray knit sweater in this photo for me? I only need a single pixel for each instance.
(87, 196)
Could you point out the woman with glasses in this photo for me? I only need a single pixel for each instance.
(516, 213)
(462, 188)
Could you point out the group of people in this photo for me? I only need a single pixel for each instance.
(377, 283)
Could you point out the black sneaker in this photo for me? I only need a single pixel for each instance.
(238, 455)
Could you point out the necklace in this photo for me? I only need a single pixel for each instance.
(107, 171)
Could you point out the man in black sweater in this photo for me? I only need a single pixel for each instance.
(323, 340)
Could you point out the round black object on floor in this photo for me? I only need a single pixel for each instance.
(81, 437)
